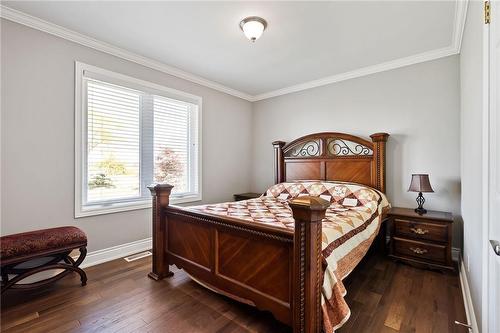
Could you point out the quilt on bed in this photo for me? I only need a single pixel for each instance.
(351, 224)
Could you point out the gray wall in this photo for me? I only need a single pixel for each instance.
(471, 78)
(419, 106)
(37, 128)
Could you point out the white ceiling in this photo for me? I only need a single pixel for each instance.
(304, 41)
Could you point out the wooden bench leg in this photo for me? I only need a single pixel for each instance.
(68, 266)
(83, 275)
(67, 269)
(5, 277)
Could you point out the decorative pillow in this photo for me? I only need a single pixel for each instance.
(341, 193)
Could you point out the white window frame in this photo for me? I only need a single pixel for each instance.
(81, 139)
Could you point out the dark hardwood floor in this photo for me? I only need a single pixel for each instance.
(384, 297)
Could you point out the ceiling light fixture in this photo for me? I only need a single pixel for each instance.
(253, 27)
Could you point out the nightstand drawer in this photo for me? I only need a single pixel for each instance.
(419, 250)
(421, 230)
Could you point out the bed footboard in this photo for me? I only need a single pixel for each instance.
(308, 213)
(161, 199)
(274, 269)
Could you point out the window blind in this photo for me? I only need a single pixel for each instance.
(133, 135)
(113, 144)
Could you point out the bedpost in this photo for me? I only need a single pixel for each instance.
(308, 213)
(161, 198)
(279, 165)
(379, 140)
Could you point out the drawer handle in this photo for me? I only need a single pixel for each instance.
(418, 250)
(419, 231)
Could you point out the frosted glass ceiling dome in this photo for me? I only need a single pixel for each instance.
(253, 27)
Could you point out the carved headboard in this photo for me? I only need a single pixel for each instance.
(332, 156)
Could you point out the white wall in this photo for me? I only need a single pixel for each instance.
(37, 161)
(471, 78)
(419, 106)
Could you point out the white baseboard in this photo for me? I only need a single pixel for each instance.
(116, 252)
(469, 308)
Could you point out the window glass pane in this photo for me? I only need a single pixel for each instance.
(171, 143)
(113, 142)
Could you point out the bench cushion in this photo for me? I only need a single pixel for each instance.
(39, 242)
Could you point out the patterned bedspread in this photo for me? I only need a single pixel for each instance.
(351, 223)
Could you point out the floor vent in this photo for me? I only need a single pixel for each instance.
(138, 256)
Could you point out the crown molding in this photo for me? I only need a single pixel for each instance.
(56, 30)
(454, 48)
(73, 36)
(459, 23)
(402, 62)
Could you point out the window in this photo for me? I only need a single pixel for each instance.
(129, 134)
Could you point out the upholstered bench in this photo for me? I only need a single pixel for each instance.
(50, 247)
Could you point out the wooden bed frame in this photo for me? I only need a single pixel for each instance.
(272, 268)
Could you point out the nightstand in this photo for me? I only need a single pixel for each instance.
(424, 240)
(246, 196)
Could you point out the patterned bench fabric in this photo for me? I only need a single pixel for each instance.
(351, 224)
(36, 242)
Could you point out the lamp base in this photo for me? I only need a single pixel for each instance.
(420, 200)
(420, 211)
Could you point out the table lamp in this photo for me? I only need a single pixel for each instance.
(420, 183)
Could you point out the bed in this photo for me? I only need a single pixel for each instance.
(288, 251)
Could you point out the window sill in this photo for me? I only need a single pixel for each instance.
(185, 199)
(128, 206)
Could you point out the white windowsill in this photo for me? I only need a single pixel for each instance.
(128, 206)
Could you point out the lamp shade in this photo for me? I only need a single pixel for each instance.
(420, 183)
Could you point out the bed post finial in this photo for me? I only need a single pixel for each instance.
(308, 213)
(379, 140)
(161, 199)
(279, 162)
